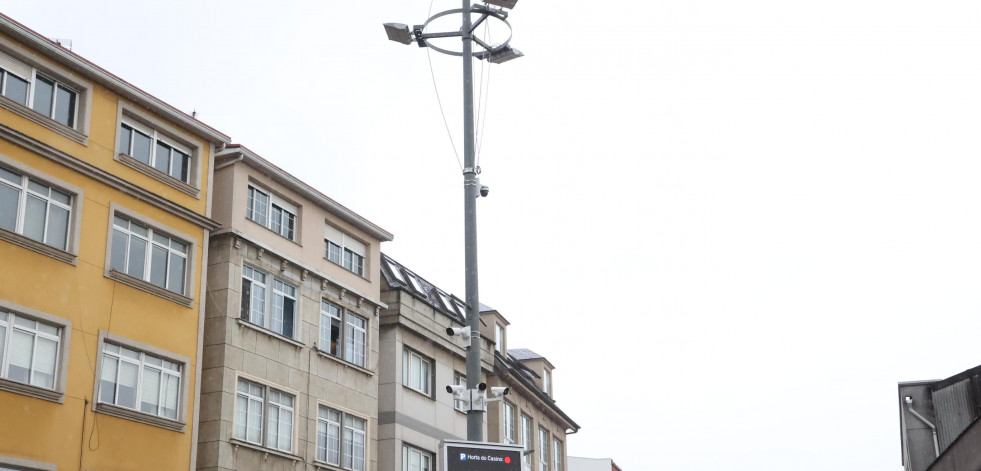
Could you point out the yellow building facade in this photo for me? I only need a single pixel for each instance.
(104, 228)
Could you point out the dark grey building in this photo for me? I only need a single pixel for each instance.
(939, 425)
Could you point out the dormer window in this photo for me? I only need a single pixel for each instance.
(547, 382)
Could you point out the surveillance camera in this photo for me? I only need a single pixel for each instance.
(484, 190)
(909, 400)
(500, 391)
(482, 387)
(455, 388)
(463, 332)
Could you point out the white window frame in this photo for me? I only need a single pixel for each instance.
(346, 252)
(158, 130)
(22, 464)
(135, 414)
(186, 295)
(351, 344)
(426, 458)
(510, 422)
(460, 378)
(527, 429)
(126, 149)
(558, 453)
(55, 393)
(68, 254)
(543, 455)
(151, 243)
(412, 371)
(498, 338)
(275, 293)
(31, 75)
(345, 439)
(273, 202)
(266, 404)
(546, 381)
(142, 363)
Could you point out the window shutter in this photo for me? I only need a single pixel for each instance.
(21, 351)
(355, 246)
(333, 235)
(17, 67)
(150, 396)
(44, 363)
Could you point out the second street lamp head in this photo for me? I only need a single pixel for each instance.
(504, 55)
(398, 32)
(502, 3)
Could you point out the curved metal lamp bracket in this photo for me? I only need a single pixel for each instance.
(425, 37)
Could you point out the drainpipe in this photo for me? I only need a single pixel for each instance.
(936, 445)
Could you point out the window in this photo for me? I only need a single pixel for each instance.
(347, 452)
(254, 400)
(557, 453)
(257, 298)
(349, 343)
(155, 150)
(28, 87)
(395, 272)
(526, 437)
(34, 209)
(29, 350)
(414, 459)
(498, 338)
(343, 250)
(417, 372)
(271, 212)
(460, 378)
(139, 381)
(509, 432)
(9, 463)
(546, 382)
(144, 253)
(542, 450)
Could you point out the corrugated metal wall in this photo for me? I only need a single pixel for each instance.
(954, 407)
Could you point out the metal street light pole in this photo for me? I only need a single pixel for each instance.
(471, 187)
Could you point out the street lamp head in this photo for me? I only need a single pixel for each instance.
(502, 3)
(503, 55)
(398, 32)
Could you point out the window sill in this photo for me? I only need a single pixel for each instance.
(345, 269)
(157, 175)
(36, 392)
(271, 334)
(270, 230)
(427, 396)
(269, 451)
(25, 112)
(324, 465)
(41, 248)
(344, 362)
(137, 416)
(149, 287)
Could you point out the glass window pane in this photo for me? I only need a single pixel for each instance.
(128, 375)
(16, 89)
(43, 94)
(150, 394)
(57, 232)
(3, 336)
(45, 360)
(117, 260)
(65, 107)
(21, 355)
(9, 199)
(34, 218)
(161, 160)
(241, 413)
(158, 266)
(107, 384)
(175, 279)
(37, 187)
(170, 389)
(60, 197)
(272, 425)
(10, 176)
(125, 135)
(255, 421)
(139, 229)
(137, 257)
(141, 147)
(179, 166)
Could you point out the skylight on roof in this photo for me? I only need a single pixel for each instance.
(395, 272)
(446, 301)
(415, 282)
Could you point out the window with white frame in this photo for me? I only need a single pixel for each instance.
(509, 429)
(271, 211)
(34, 209)
(140, 381)
(145, 253)
(344, 250)
(542, 450)
(557, 454)
(259, 407)
(268, 302)
(460, 378)
(547, 382)
(343, 334)
(498, 338)
(414, 459)
(27, 86)
(155, 150)
(417, 372)
(341, 439)
(526, 437)
(29, 350)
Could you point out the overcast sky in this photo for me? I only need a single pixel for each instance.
(732, 226)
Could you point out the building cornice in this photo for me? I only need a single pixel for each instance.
(547, 402)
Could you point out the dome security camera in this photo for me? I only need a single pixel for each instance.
(484, 190)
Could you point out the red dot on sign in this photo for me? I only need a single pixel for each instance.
(507, 460)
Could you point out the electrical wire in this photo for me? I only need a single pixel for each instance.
(439, 101)
(483, 95)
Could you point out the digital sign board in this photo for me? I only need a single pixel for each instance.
(481, 456)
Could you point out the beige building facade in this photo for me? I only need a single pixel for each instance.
(291, 355)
